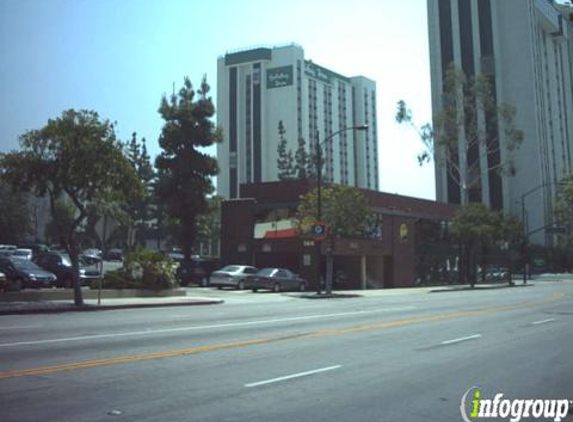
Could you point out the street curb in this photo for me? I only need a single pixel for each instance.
(96, 308)
(478, 288)
(325, 296)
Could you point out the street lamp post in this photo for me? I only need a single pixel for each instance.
(318, 162)
(526, 233)
(525, 236)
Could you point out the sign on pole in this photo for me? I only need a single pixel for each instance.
(315, 231)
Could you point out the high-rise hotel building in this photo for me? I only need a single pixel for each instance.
(526, 46)
(258, 88)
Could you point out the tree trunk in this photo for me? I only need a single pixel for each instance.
(187, 238)
(73, 252)
(483, 263)
(462, 265)
(472, 266)
(329, 264)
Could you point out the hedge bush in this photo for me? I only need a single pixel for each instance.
(117, 279)
(142, 269)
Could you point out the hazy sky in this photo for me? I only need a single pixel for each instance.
(119, 57)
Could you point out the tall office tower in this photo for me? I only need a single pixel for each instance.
(526, 47)
(258, 88)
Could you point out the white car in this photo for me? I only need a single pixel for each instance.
(92, 256)
(22, 254)
(232, 276)
(6, 250)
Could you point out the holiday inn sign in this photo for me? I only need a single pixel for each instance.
(279, 76)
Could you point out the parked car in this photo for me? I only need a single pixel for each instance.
(37, 248)
(7, 250)
(22, 253)
(92, 256)
(113, 255)
(497, 273)
(193, 271)
(232, 276)
(176, 254)
(8, 284)
(61, 265)
(26, 273)
(275, 279)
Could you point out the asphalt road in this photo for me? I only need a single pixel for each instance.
(269, 357)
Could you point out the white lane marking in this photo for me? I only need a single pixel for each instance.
(545, 321)
(195, 328)
(377, 311)
(288, 377)
(20, 327)
(459, 340)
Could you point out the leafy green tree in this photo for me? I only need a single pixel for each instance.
(285, 159)
(144, 167)
(472, 227)
(62, 219)
(104, 222)
(312, 159)
(139, 212)
(564, 216)
(76, 158)
(346, 212)
(476, 227)
(464, 136)
(143, 269)
(304, 165)
(14, 216)
(133, 150)
(435, 252)
(209, 224)
(564, 205)
(184, 170)
(161, 223)
(344, 209)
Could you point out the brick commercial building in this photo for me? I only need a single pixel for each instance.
(257, 230)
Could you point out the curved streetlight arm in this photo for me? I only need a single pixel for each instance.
(344, 129)
(529, 192)
(318, 160)
(319, 200)
(524, 219)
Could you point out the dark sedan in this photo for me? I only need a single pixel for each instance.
(113, 255)
(196, 271)
(275, 279)
(25, 272)
(61, 266)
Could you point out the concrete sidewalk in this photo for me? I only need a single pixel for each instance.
(56, 306)
(53, 302)
(408, 290)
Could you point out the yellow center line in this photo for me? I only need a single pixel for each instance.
(319, 333)
(135, 358)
